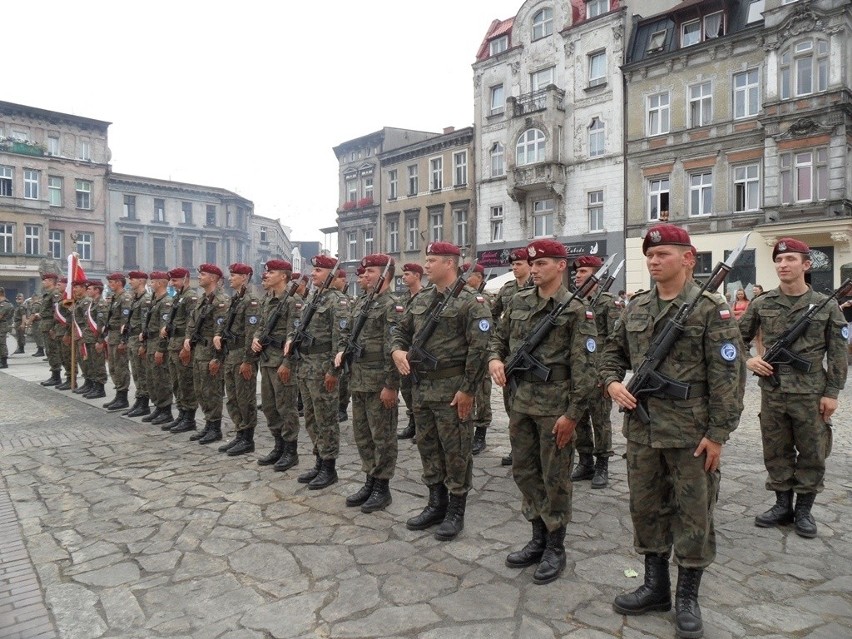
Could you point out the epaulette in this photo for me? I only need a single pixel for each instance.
(717, 298)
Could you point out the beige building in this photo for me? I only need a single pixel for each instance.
(269, 240)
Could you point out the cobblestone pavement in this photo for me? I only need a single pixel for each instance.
(134, 533)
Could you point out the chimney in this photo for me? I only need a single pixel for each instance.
(449, 129)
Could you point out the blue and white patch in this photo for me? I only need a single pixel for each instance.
(126, 311)
(484, 325)
(343, 323)
(220, 321)
(591, 345)
(252, 320)
(165, 316)
(728, 352)
(296, 323)
(845, 332)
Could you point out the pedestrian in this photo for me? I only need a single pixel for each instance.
(795, 415)
(114, 325)
(412, 275)
(178, 310)
(155, 348)
(740, 304)
(134, 337)
(7, 312)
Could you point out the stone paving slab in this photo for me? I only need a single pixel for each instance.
(130, 532)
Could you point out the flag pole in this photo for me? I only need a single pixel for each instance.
(72, 272)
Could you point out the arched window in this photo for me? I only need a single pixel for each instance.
(498, 168)
(803, 68)
(530, 148)
(542, 23)
(597, 138)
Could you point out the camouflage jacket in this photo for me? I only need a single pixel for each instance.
(606, 313)
(157, 316)
(90, 316)
(331, 316)
(505, 295)
(290, 309)
(204, 319)
(182, 303)
(6, 313)
(45, 310)
(375, 368)
(117, 313)
(140, 305)
(241, 322)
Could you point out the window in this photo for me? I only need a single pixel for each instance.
(263, 235)
(496, 223)
(53, 145)
(186, 211)
(701, 193)
(413, 185)
(186, 251)
(84, 245)
(596, 221)
(658, 198)
(351, 190)
(21, 135)
(84, 149)
(542, 23)
(541, 79)
(498, 167)
(54, 244)
(690, 33)
(498, 99)
(160, 253)
(498, 45)
(54, 190)
(657, 41)
(804, 176)
(411, 233)
(460, 168)
(6, 173)
(211, 215)
(530, 147)
(159, 210)
(597, 68)
(368, 242)
(594, 8)
(747, 187)
(368, 188)
(658, 113)
(700, 104)
(393, 236)
(352, 245)
(543, 217)
(31, 179)
(714, 25)
(755, 11)
(597, 138)
(436, 225)
(460, 226)
(746, 93)
(130, 207)
(7, 238)
(211, 251)
(436, 170)
(84, 194)
(228, 217)
(393, 183)
(804, 68)
(129, 246)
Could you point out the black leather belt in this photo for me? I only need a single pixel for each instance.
(178, 332)
(558, 373)
(696, 389)
(441, 373)
(366, 358)
(153, 334)
(316, 349)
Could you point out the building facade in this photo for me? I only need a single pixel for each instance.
(269, 240)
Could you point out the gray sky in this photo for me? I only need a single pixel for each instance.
(249, 96)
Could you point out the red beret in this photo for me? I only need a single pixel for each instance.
(178, 272)
(694, 251)
(588, 260)
(296, 276)
(80, 283)
(95, 284)
(137, 275)
(442, 248)
(519, 255)
(241, 269)
(116, 277)
(278, 265)
(476, 269)
(212, 269)
(340, 274)
(49, 276)
(63, 280)
(323, 261)
(665, 234)
(790, 245)
(546, 248)
(360, 270)
(159, 275)
(376, 259)
(414, 268)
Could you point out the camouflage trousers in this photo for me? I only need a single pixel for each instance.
(405, 389)
(279, 404)
(38, 338)
(540, 469)
(65, 357)
(320, 406)
(53, 351)
(94, 365)
(444, 444)
(795, 441)
(158, 383)
(374, 428)
(481, 415)
(343, 394)
(183, 382)
(21, 338)
(119, 367)
(242, 394)
(596, 421)
(209, 390)
(139, 368)
(4, 348)
(672, 499)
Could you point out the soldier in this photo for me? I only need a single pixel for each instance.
(7, 312)
(114, 325)
(412, 274)
(91, 317)
(199, 352)
(795, 415)
(134, 336)
(177, 312)
(673, 462)
(443, 398)
(82, 303)
(154, 349)
(45, 324)
(31, 304)
(544, 414)
(62, 315)
(19, 321)
(597, 417)
(481, 413)
(339, 283)
(317, 377)
(375, 387)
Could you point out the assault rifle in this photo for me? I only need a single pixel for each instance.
(523, 359)
(265, 339)
(780, 353)
(206, 309)
(484, 281)
(352, 351)
(146, 320)
(603, 288)
(647, 379)
(171, 320)
(301, 336)
(227, 335)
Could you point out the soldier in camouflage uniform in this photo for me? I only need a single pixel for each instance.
(134, 338)
(597, 418)
(343, 394)
(480, 416)
(119, 364)
(411, 278)
(374, 384)
(183, 386)
(90, 314)
(32, 305)
(199, 351)
(443, 398)
(62, 314)
(673, 462)
(7, 312)
(19, 321)
(155, 349)
(795, 416)
(545, 414)
(46, 323)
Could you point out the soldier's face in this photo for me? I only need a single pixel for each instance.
(93, 292)
(370, 277)
(410, 278)
(237, 280)
(439, 268)
(546, 270)
(582, 274)
(178, 283)
(318, 275)
(666, 263)
(79, 292)
(790, 267)
(521, 269)
(137, 282)
(115, 285)
(475, 280)
(158, 286)
(48, 284)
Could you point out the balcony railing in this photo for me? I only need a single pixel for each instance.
(13, 145)
(539, 100)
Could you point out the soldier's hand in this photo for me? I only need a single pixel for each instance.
(66, 339)
(618, 392)
(255, 345)
(185, 356)
(827, 406)
(122, 347)
(758, 366)
(142, 351)
(99, 347)
(213, 367)
(51, 334)
(217, 342)
(563, 429)
(713, 452)
(330, 382)
(287, 348)
(400, 359)
(158, 358)
(338, 359)
(498, 372)
(284, 374)
(463, 403)
(141, 337)
(186, 345)
(163, 332)
(247, 371)
(388, 397)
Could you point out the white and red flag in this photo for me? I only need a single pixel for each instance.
(75, 272)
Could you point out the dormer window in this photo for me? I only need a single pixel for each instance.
(542, 23)
(498, 45)
(714, 25)
(690, 33)
(701, 29)
(595, 8)
(657, 41)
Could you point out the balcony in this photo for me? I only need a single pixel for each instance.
(549, 98)
(14, 145)
(542, 176)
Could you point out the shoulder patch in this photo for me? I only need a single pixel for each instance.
(222, 305)
(126, 311)
(252, 320)
(725, 314)
(399, 309)
(484, 325)
(480, 299)
(590, 315)
(844, 332)
(728, 352)
(591, 345)
(253, 303)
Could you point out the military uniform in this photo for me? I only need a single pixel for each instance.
(204, 320)
(403, 302)
(7, 311)
(62, 314)
(47, 327)
(89, 315)
(118, 312)
(177, 311)
(158, 382)
(137, 324)
(19, 317)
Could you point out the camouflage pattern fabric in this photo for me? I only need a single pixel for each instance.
(279, 400)
(159, 379)
(140, 306)
(241, 393)
(182, 378)
(119, 362)
(206, 316)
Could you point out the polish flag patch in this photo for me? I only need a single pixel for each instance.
(398, 308)
(480, 299)
(725, 314)
(590, 314)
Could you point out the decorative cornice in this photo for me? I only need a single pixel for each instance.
(804, 127)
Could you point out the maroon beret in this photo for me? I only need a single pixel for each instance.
(693, 250)
(546, 248)
(116, 277)
(278, 265)
(323, 261)
(376, 259)
(413, 267)
(665, 234)
(212, 269)
(519, 255)
(588, 260)
(95, 284)
(159, 275)
(442, 248)
(49, 276)
(790, 245)
(80, 283)
(241, 269)
(296, 276)
(137, 275)
(340, 274)
(178, 272)
(476, 269)
(63, 280)
(360, 271)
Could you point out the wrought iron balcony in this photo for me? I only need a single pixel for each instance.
(549, 97)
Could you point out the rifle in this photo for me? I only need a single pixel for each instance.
(301, 335)
(647, 379)
(227, 335)
(265, 340)
(484, 281)
(780, 353)
(171, 320)
(206, 309)
(603, 288)
(125, 329)
(523, 359)
(352, 351)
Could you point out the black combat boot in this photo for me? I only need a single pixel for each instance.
(409, 431)
(300, 405)
(435, 511)
(601, 478)
(326, 476)
(688, 624)
(288, 459)
(478, 440)
(275, 454)
(169, 423)
(152, 416)
(55, 379)
(97, 391)
(342, 416)
(111, 402)
(140, 409)
(553, 560)
(186, 424)
(245, 445)
(238, 437)
(309, 475)
(804, 520)
(19, 351)
(64, 386)
(654, 594)
(85, 388)
(506, 460)
(363, 493)
(164, 418)
(532, 552)
(120, 402)
(585, 468)
(380, 498)
(4, 362)
(214, 433)
(780, 514)
(453, 522)
(201, 433)
(39, 352)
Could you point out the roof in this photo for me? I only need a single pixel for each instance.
(498, 28)
(127, 179)
(52, 116)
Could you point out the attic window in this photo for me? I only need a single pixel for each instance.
(755, 11)
(714, 25)
(657, 41)
(498, 45)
